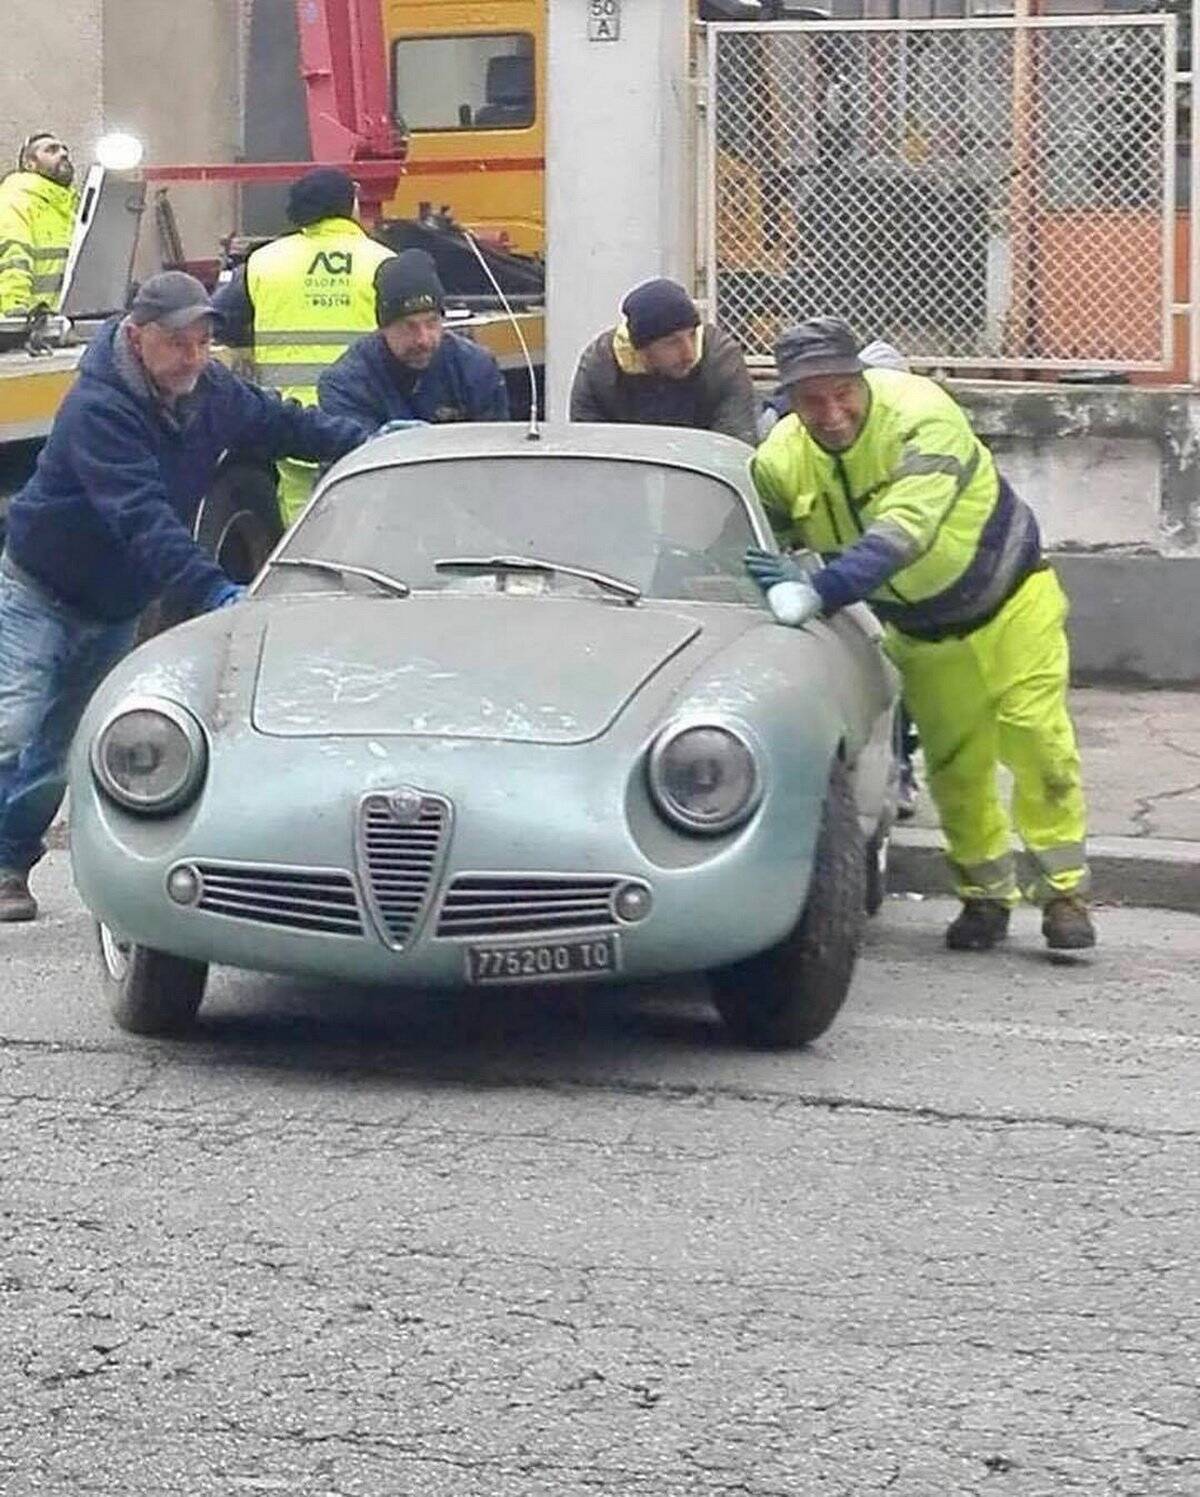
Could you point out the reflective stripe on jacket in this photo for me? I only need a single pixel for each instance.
(313, 294)
(37, 217)
(914, 506)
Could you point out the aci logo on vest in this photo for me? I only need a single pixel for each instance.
(327, 279)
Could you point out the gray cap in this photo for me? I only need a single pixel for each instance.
(822, 345)
(173, 298)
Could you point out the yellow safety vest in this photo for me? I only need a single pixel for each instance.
(313, 294)
(917, 475)
(37, 217)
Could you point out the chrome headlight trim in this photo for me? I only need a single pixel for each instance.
(179, 795)
(679, 816)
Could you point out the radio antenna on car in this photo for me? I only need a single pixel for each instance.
(532, 434)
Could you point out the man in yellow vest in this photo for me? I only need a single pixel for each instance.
(302, 300)
(37, 216)
(880, 472)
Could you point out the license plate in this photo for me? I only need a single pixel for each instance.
(543, 961)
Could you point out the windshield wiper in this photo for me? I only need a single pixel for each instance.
(628, 592)
(391, 585)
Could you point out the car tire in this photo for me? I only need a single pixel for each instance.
(149, 992)
(238, 524)
(790, 994)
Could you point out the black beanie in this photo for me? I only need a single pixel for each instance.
(406, 284)
(323, 193)
(657, 308)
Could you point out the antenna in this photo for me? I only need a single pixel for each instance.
(532, 434)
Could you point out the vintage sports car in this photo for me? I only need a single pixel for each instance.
(498, 710)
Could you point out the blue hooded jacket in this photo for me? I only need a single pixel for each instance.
(105, 522)
(368, 383)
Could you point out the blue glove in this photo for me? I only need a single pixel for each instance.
(389, 427)
(769, 567)
(223, 594)
(794, 603)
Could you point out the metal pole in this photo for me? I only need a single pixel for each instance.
(1193, 242)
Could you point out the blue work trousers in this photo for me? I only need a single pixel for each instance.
(51, 660)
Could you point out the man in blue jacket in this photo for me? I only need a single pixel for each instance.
(413, 369)
(103, 527)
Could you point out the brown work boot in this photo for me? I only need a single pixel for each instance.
(16, 902)
(1066, 924)
(980, 925)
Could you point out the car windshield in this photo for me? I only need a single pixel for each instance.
(671, 532)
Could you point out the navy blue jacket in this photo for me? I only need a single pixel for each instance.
(368, 383)
(105, 522)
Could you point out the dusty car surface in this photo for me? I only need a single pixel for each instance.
(497, 711)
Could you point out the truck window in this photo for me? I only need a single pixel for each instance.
(464, 82)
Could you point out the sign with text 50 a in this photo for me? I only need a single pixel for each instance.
(604, 20)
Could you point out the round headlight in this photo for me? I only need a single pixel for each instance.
(150, 756)
(704, 778)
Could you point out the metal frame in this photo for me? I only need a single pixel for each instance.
(711, 33)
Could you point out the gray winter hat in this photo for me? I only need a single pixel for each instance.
(822, 345)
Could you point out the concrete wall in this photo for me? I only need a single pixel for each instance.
(166, 70)
(172, 76)
(618, 208)
(52, 74)
(1113, 474)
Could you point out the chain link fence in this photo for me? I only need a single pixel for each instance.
(977, 192)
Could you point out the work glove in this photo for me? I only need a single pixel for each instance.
(769, 567)
(794, 603)
(389, 427)
(223, 594)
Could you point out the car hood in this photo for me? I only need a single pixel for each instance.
(520, 670)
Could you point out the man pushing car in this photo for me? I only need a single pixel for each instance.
(103, 528)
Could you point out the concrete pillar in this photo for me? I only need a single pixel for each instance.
(619, 170)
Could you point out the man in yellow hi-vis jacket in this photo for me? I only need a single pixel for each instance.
(37, 217)
(880, 472)
(302, 300)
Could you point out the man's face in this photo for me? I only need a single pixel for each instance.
(51, 159)
(832, 406)
(672, 356)
(174, 359)
(414, 340)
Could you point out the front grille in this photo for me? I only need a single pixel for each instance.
(402, 839)
(321, 900)
(492, 904)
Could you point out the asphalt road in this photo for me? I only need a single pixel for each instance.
(355, 1246)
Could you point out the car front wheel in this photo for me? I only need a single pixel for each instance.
(148, 991)
(790, 994)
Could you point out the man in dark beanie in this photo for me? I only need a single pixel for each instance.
(299, 302)
(413, 368)
(660, 366)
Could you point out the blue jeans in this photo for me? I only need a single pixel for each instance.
(51, 660)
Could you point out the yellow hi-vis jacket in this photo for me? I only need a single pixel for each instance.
(313, 294)
(912, 515)
(37, 217)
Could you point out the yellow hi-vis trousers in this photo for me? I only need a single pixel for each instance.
(999, 696)
(296, 482)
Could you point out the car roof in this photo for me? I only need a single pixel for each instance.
(674, 446)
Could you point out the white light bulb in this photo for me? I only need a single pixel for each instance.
(119, 152)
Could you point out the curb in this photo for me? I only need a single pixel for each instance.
(1153, 871)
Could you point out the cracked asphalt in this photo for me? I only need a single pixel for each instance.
(359, 1245)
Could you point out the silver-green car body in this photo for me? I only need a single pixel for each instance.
(458, 784)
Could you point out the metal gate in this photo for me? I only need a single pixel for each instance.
(990, 192)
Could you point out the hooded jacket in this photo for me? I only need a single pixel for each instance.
(37, 217)
(369, 384)
(612, 383)
(105, 522)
